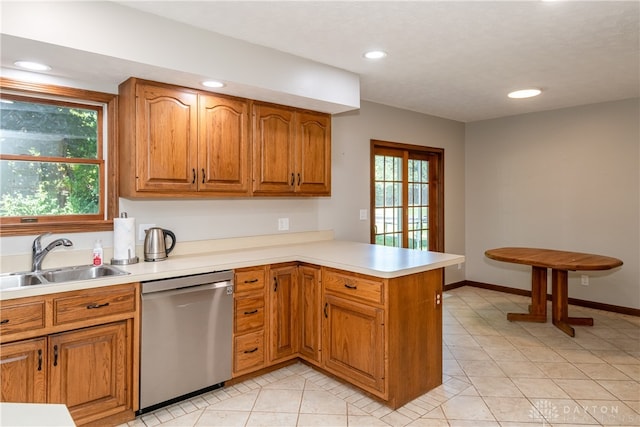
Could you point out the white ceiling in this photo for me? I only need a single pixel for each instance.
(451, 59)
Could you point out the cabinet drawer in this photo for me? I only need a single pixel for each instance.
(93, 304)
(249, 280)
(249, 314)
(355, 287)
(21, 317)
(249, 351)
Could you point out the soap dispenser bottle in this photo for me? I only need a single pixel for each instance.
(97, 253)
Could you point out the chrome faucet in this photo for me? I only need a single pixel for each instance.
(38, 253)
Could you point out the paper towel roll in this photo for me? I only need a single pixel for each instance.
(124, 238)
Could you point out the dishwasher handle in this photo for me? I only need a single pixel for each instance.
(188, 289)
(187, 281)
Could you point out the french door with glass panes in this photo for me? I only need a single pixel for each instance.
(406, 196)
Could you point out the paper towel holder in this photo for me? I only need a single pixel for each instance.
(132, 259)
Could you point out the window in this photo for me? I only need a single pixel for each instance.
(53, 162)
(407, 196)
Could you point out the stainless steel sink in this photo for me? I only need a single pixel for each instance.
(82, 272)
(58, 275)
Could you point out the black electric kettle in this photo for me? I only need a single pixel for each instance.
(155, 244)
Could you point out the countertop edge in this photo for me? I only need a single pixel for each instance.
(364, 260)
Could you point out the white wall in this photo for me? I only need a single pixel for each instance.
(566, 179)
(352, 133)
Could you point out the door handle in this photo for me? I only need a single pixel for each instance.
(55, 355)
(275, 284)
(326, 306)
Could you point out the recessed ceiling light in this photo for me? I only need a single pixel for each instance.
(375, 54)
(32, 66)
(524, 93)
(212, 83)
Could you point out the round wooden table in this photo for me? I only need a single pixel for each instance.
(560, 262)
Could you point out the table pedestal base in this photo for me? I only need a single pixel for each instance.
(538, 308)
(560, 304)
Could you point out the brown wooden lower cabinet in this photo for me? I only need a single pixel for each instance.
(87, 362)
(23, 371)
(310, 313)
(283, 288)
(382, 335)
(249, 321)
(88, 371)
(354, 342)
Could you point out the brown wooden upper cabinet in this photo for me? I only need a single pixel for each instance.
(181, 142)
(291, 151)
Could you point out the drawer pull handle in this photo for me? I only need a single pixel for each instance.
(251, 281)
(251, 312)
(348, 286)
(90, 306)
(251, 351)
(4, 321)
(55, 355)
(39, 359)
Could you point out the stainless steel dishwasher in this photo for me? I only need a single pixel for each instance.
(186, 338)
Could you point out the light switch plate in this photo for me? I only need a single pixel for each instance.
(363, 215)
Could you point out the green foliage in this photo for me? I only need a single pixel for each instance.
(57, 187)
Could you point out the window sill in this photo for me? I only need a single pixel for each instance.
(55, 227)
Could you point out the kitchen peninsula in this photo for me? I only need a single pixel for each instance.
(370, 315)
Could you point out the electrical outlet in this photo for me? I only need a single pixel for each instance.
(584, 280)
(142, 230)
(363, 215)
(283, 224)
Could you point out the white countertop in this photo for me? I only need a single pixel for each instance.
(35, 415)
(373, 260)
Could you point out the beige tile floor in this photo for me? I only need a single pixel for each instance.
(496, 373)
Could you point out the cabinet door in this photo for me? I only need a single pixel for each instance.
(310, 313)
(23, 372)
(273, 149)
(354, 342)
(88, 371)
(166, 139)
(284, 311)
(313, 154)
(223, 145)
